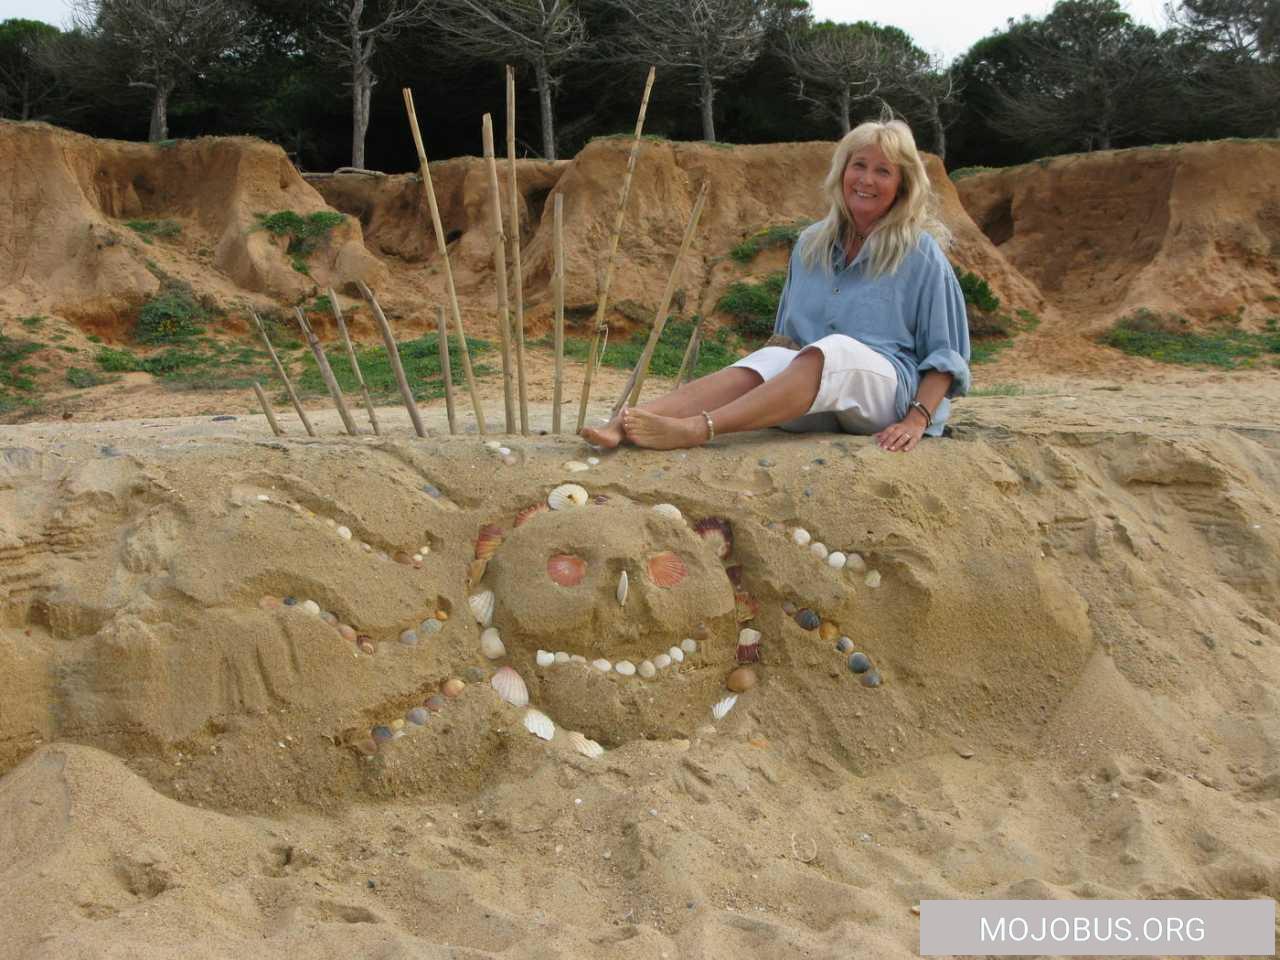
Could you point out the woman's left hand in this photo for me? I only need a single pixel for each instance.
(900, 437)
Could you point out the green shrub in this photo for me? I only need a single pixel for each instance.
(172, 315)
(32, 322)
(977, 293)
(421, 360)
(775, 236)
(305, 233)
(117, 361)
(80, 378)
(961, 172)
(716, 352)
(148, 230)
(14, 373)
(754, 305)
(1170, 338)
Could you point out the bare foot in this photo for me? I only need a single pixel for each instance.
(608, 436)
(646, 429)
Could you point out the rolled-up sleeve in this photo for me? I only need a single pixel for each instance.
(942, 327)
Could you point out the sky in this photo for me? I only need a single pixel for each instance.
(946, 28)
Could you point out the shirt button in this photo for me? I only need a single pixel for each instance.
(836, 290)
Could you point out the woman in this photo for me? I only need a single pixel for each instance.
(874, 304)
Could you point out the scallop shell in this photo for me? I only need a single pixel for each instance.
(539, 724)
(624, 584)
(745, 606)
(748, 645)
(481, 605)
(807, 619)
(529, 512)
(585, 745)
(718, 533)
(801, 536)
(873, 579)
(452, 688)
(488, 541)
(566, 570)
(510, 687)
(491, 644)
(567, 495)
(667, 569)
(722, 708)
(668, 510)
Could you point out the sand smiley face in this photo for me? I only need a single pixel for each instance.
(555, 580)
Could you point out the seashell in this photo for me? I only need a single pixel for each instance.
(819, 550)
(800, 536)
(578, 658)
(409, 638)
(367, 548)
(734, 574)
(488, 541)
(344, 533)
(721, 709)
(452, 688)
(807, 619)
(442, 615)
(745, 607)
(593, 461)
(836, 560)
(544, 659)
(676, 654)
(539, 724)
(491, 644)
(647, 669)
(576, 466)
(662, 661)
(381, 733)
(844, 645)
(329, 618)
(263, 498)
(567, 495)
(475, 572)
(748, 636)
(873, 579)
(510, 687)
(383, 556)
(434, 703)
(828, 631)
(859, 663)
(789, 608)
(666, 569)
(529, 512)
(669, 510)
(397, 724)
(717, 532)
(429, 626)
(402, 558)
(748, 645)
(562, 657)
(600, 499)
(585, 745)
(624, 585)
(417, 562)
(365, 643)
(741, 680)
(269, 603)
(856, 563)
(347, 632)
(481, 605)
(603, 665)
(417, 716)
(566, 570)
(625, 667)
(493, 445)
(367, 747)
(311, 607)
(871, 678)
(689, 645)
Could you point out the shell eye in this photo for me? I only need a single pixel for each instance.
(666, 569)
(566, 569)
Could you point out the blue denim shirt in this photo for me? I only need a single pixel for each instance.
(915, 317)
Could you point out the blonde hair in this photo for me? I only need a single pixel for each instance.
(898, 231)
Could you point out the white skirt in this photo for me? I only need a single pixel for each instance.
(858, 392)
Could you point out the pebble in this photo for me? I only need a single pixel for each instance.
(801, 536)
(844, 645)
(409, 638)
(689, 645)
(311, 607)
(765, 462)
(381, 734)
(873, 579)
(807, 619)
(859, 663)
(819, 550)
(417, 716)
(434, 703)
(545, 658)
(647, 669)
(625, 667)
(453, 687)
(603, 665)
(836, 560)
(344, 533)
(662, 661)
(871, 678)
(431, 490)
(431, 625)
(741, 680)
(562, 657)
(676, 654)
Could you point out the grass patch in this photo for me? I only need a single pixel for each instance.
(152, 230)
(961, 172)
(998, 390)
(172, 316)
(717, 351)
(32, 322)
(775, 236)
(754, 306)
(305, 233)
(194, 366)
(82, 379)
(421, 360)
(1169, 338)
(17, 386)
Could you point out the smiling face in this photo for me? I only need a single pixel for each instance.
(871, 185)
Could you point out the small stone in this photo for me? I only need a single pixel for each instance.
(409, 638)
(871, 678)
(562, 656)
(807, 619)
(689, 645)
(873, 579)
(844, 645)
(453, 687)
(545, 658)
(964, 751)
(741, 680)
(828, 631)
(662, 661)
(836, 560)
(344, 533)
(311, 607)
(431, 490)
(765, 462)
(859, 663)
(431, 625)
(819, 550)
(647, 669)
(434, 703)
(789, 608)
(417, 716)
(381, 734)
(800, 536)
(676, 654)
(625, 667)
(603, 665)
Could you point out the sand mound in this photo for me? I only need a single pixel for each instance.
(67, 199)
(1193, 229)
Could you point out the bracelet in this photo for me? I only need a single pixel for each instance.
(928, 417)
(711, 427)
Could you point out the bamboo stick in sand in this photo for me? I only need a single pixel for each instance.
(266, 408)
(326, 372)
(514, 222)
(393, 354)
(355, 364)
(425, 171)
(690, 361)
(500, 269)
(603, 299)
(557, 282)
(288, 386)
(445, 370)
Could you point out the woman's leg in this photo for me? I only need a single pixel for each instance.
(788, 395)
(706, 393)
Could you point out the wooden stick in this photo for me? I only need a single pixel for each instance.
(603, 299)
(514, 197)
(297, 404)
(445, 370)
(326, 373)
(690, 361)
(631, 395)
(393, 354)
(557, 282)
(266, 408)
(500, 269)
(355, 364)
(425, 170)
